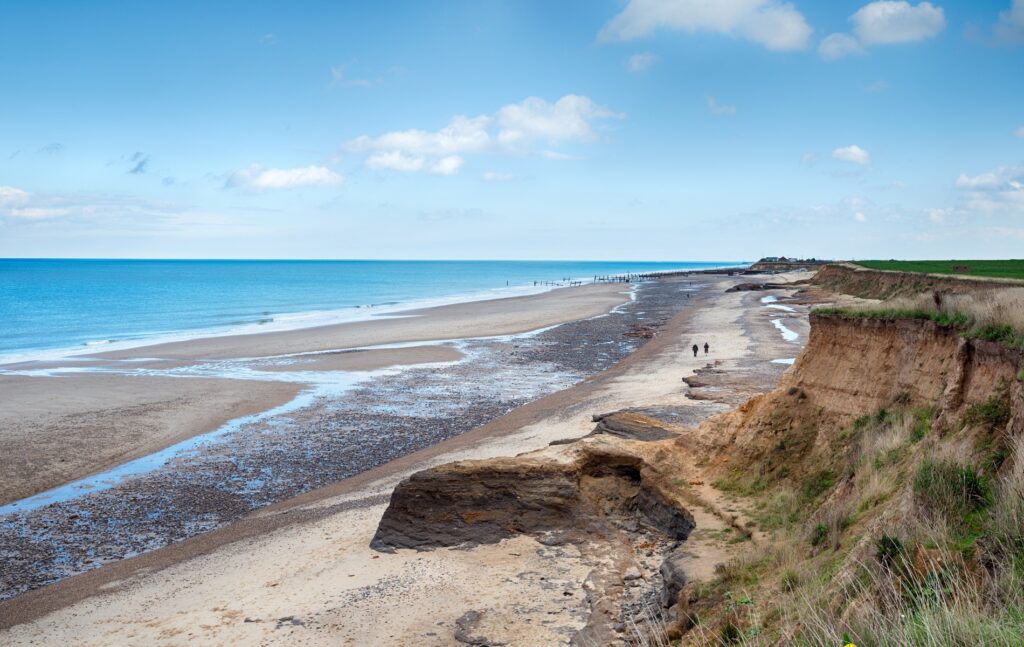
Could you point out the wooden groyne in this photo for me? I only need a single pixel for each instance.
(648, 276)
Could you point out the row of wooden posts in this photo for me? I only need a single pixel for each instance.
(621, 278)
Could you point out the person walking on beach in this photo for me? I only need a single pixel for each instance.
(695, 349)
(706, 348)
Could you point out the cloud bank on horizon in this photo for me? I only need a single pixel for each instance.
(888, 128)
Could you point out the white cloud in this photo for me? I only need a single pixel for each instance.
(257, 177)
(990, 180)
(853, 154)
(836, 46)
(860, 217)
(339, 76)
(557, 155)
(1019, 132)
(461, 135)
(395, 161)
(568, 118)
(515, 128)
(493, 176)
(10, 195)
(938, 215)
(808, 159)
(446, 165)
(1010, 27)
(641, 62)
(720, 109)
(17, 203)
(82, 209)
(889, 21)
(997, 192)
(38, 213)
(774, 24)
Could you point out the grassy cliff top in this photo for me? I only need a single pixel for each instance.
(1008, 269)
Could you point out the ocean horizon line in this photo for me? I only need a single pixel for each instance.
(71, 307)
(362, 260)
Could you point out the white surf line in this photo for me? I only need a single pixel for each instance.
(788, 360)
(787, 334)
(278, 322)
(769, 299)
(320, 384)
(779, 306)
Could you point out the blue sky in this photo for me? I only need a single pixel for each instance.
(639, 129)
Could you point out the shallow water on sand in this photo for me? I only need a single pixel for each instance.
(343, 425)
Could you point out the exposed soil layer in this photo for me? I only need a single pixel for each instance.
(866, 283)
(611, 493)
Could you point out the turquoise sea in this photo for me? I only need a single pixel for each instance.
(58, 304)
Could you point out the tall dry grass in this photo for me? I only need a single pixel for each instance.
(984, 308)
(925, 581)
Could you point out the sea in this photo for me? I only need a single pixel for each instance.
(60, 307)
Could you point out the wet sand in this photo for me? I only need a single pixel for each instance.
(55, 430)
(345, 411)
(369, 359)
(58, 429)
(300, 571)
(459, 321)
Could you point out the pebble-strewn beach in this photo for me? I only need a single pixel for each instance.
(334, 430)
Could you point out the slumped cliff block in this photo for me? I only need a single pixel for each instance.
(595, 486)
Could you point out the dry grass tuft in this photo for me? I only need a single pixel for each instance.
(986, 308)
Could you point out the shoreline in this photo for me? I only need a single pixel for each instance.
(649, 376)
(323, 437)
(124, 391)
(464, 320)
(301, 320)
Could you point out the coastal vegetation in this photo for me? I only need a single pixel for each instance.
(1007, 269)
(996, 316)
(913, 535)
(901, 526)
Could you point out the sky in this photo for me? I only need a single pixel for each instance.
(591, 129)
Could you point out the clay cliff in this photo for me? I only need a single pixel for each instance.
(847, 278)
(838, 448)
(852, 367)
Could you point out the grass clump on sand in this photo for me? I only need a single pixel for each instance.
(1008, 269)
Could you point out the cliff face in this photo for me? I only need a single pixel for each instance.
(881, 284)
(852, 367)
(635, 480)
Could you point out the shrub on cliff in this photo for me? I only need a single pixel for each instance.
(950, 489)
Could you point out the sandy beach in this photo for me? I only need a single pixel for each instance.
(124, 455)
(458, 321)
(59, 429)
(302, 571)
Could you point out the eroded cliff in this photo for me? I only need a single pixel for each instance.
(847, 278)
(867, 403)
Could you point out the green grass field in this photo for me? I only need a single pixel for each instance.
(1010, 269)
